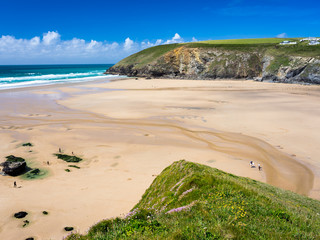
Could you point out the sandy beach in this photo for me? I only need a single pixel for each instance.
(128, 131)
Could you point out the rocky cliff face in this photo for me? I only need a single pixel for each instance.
(211, 63)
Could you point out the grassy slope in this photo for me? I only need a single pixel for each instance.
(270, 45)
(220, 206)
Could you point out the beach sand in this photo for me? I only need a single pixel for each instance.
(128, 131)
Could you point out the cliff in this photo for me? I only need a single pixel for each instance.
(261, 59)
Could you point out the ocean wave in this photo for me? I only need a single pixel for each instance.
(56, 81)
(50, 76)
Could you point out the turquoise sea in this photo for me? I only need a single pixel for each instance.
(16, 76)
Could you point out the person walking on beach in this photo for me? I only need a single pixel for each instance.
(259, 167)
(15, 184)
(252, 164)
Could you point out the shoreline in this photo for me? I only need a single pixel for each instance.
(128, 137)
(63, 84)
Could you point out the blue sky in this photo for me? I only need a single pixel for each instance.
(69, 31)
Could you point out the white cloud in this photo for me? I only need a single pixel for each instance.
(128, 44)
(194, 39)
(35, 41)
(52, 49)
(158, 42)
(282, 35)
(50, 38)
(176, 39)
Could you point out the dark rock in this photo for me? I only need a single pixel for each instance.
(25, 223)
(30, 238)
(68, 229)
(14, 166)
(20, 214)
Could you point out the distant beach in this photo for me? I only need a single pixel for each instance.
(128, 131)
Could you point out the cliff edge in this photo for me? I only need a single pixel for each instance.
(259, 59)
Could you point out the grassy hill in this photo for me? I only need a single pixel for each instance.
(193, 201)
(271, 45)
(263, 59)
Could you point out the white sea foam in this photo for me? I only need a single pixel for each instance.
(11, 85)
(50, 76)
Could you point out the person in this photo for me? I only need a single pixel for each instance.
(59, 150)
(14, 184)
(259, 166)
(48, 163)
(252, 164)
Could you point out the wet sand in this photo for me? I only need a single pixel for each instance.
(128, 131)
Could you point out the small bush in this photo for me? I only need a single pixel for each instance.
(67, 170)
(101, 227)
(45, 213)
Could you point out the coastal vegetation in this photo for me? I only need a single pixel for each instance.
(68, 158)
(193, 201)
(35, 173)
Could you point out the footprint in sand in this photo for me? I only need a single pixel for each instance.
(211, 161)
(114, 164)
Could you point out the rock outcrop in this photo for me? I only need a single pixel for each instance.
(214, 63)
(21, 214)
(14, 166)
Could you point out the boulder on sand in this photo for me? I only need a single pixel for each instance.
(21, 214)
(14, 166)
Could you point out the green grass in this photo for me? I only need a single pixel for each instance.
(147, 55)
(68, 158)
(193, 201)
(281, 60)
(250, 41)
(262, 45)
(35, 174)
